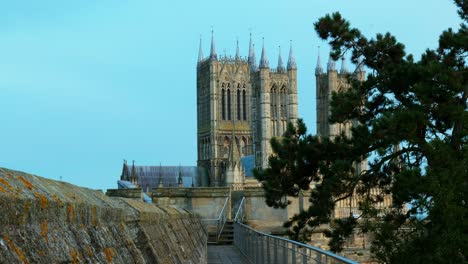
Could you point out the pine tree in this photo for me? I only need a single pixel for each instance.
(412, 127)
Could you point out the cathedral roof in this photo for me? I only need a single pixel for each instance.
(150, 175)
(291, 60)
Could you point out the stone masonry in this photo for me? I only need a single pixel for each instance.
(240, 107)
(46, 221)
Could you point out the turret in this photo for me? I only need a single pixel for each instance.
(160, 182)
(124, 176)
(343, 66)
(200, 52)
(280, 67)
(237, 51)
(179, 179)
(263, 60)
(318, 68)
(213, 55)
(264, 109)
(291, 60)
(133, 176)
(331, 65)
(252, 60)
(360, 72)
(292, 76)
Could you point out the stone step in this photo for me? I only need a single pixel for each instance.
(226, 237)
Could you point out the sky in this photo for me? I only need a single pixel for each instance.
(86, 84)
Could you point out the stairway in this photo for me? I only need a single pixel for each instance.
(227, 234)
(226, 237)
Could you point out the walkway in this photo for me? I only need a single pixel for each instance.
(225, 254)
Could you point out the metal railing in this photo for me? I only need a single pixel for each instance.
(259, 247)
(240, 214)
(220, 221)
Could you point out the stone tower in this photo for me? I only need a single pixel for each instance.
(240, 107)
(327, 82)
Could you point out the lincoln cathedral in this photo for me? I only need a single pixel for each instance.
(241, 105)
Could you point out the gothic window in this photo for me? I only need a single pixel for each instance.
(223, 104)
(228, 104)
(238, 105)
(283, 102)
(273, 109)
(273, 102)
(244, 106)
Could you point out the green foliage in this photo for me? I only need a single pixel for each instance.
(412, 125)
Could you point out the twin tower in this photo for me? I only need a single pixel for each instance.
(240, 107)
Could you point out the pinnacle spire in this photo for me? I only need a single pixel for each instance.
(124, 176)
(160, 182)
(213, 55)
(233, 148)
(331, 64)
(280, 67)
(343, 65)
(133, 176)
(200, 51)
(263, 59)
(291, 60)
(318, 68)
(179, 179)
(237, 50)
(252, 59)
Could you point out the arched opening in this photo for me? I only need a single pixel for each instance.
(273, 109)
(223, 104)
(244, 108)
(229, 104)
(238, 105)
(283, 108)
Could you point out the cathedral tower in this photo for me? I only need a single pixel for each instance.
(327, 83)
(240, 107)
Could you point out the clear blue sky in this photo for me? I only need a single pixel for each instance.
(85, 84)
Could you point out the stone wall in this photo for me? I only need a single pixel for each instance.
(46, 221)
(205, 202)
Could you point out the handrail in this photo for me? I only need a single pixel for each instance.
(255, 245)
(239, 209)
(220, 218)
(224, 207)
(220, 221)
